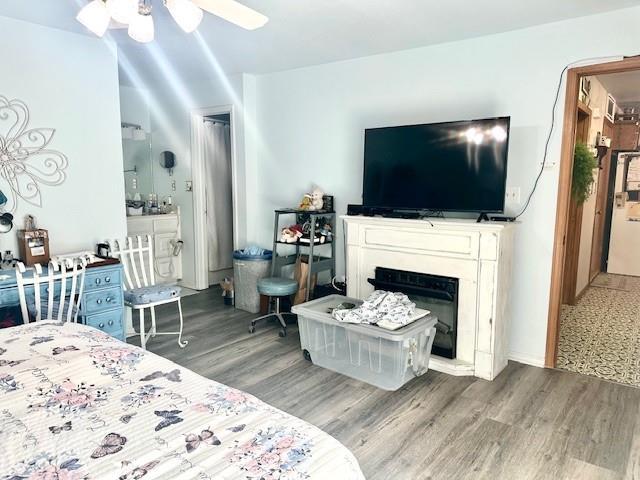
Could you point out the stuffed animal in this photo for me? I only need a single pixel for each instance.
(291, 234)
(316, 199)
(313, 201)
(305, 204)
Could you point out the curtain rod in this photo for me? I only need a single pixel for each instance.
(214, 120)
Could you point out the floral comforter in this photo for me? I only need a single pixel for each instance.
(76, 404)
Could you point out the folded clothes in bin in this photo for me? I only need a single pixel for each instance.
(386, 309)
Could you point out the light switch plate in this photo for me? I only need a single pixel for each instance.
(189, 185)
(173, 185)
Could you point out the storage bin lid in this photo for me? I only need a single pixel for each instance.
(319, 310)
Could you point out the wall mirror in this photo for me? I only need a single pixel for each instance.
(138, 164)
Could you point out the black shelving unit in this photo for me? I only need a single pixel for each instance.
(317, 262)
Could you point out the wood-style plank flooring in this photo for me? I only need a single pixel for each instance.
(529, 423)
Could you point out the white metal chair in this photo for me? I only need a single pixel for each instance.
(140, 289)
(61, 303)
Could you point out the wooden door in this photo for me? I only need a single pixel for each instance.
(601, 206)
(574, 226)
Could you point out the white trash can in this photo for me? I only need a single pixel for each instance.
(384, 358)
(247, 270)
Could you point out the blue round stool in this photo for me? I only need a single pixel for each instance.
(277, 288)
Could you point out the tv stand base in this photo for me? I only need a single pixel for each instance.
(483, 216)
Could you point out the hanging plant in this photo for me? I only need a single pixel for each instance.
(583, 164)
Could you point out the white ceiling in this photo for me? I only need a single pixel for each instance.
(310, 32)
(625, 87)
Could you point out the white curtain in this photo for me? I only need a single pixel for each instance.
(217, 155)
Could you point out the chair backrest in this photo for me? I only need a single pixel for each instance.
(136, 256)
(59, 290)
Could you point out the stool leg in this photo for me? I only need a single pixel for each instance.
(283, 330)
(252, 325)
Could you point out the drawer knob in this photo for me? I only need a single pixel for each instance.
(98, 281)
(101, 325)
(107, 279)
(108, 299)
(99, 301)
(110, 322)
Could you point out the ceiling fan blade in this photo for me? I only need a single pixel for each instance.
(234, 12)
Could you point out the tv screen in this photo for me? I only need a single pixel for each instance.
(455, 166)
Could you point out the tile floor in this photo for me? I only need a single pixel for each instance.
(600, 336)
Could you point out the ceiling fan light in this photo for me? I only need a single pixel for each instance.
(122, 11)
(141, 27)
(187, 15)
(95, 17)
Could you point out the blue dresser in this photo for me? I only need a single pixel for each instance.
(102, 304)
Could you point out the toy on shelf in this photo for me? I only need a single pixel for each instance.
(291, 234)
(313, 201)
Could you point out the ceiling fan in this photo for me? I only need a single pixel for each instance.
(135, 15)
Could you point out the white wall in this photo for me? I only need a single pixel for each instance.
(311, 123)
(70, 83)
(598, 104)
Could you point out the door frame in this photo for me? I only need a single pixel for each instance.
(199, 188)
(564, 189)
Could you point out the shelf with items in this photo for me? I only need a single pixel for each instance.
(317, 223)
(305, 244)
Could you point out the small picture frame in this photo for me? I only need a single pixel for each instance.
(611, 108)
(585, 88)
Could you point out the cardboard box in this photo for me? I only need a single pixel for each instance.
(34, 246)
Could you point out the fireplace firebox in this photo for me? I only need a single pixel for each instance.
(430, 292)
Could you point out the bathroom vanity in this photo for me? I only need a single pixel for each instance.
(165, 232)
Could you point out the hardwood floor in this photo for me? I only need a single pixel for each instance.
(529, 423)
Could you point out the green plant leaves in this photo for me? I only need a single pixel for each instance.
(583, 164)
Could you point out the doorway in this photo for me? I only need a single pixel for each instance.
(593, 308)
(215, 193)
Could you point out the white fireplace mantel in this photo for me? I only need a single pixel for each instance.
(478, 254)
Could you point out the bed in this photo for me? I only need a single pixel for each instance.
(76, 404)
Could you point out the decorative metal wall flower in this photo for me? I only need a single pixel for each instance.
(26, 162)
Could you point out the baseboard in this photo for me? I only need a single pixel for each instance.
(527, 359)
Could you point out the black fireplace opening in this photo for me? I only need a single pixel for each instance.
(435, 293)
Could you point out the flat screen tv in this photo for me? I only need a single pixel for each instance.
(454, 166)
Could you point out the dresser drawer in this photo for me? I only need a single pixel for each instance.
(101, 300)
(102, 278)
(108, 322)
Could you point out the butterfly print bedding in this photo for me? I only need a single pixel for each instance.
(172, 376)
(77, 404)
(169, 417)
(111, 444)
(206, 437)
(62, 428)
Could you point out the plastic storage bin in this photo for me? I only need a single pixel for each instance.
(247, 270)
(386, 359)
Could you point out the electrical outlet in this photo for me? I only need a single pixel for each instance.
(513, 195)
(134, 183)
(173, 185)
(189, 185)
